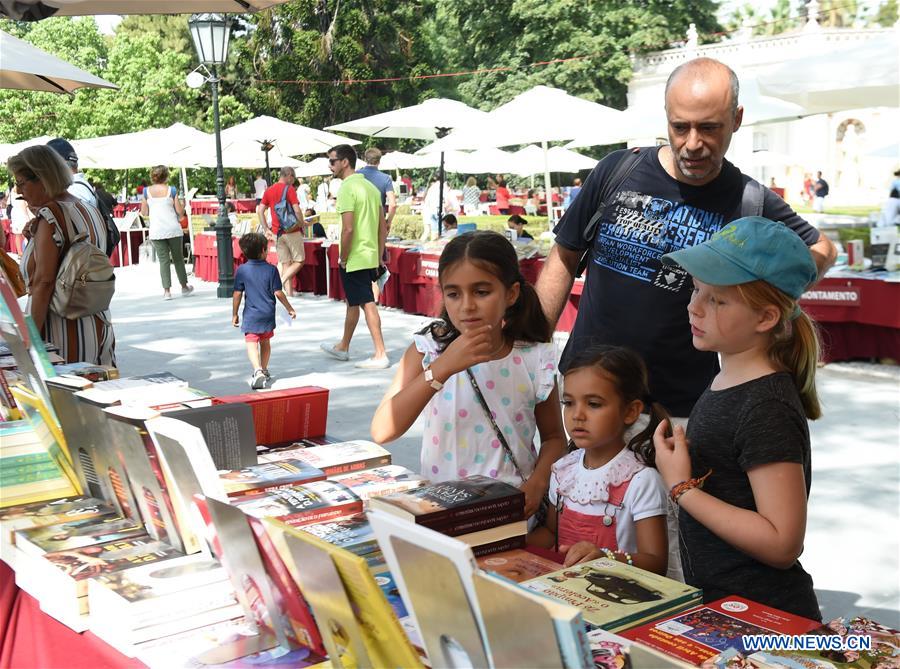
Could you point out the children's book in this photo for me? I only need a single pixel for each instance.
(608, 650)
(379, 481)
(334, 459)
(457, 507)
(704, 632)
(614, 595)
(315, 502)
(883, 651)
(269, 475)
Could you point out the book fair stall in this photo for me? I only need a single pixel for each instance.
(144, 522)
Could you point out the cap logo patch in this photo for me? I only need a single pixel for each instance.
(730, 234)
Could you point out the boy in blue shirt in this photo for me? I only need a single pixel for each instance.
(262, 284)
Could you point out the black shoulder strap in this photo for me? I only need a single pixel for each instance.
(752, 197)
(623, 168)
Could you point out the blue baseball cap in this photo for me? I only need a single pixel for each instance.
(748, 249)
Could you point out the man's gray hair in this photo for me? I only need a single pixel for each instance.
(704, 66)
(287, 171)
(372, 156)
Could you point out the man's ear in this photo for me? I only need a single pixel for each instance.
(738, 118)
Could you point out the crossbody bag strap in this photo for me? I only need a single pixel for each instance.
(497, 430)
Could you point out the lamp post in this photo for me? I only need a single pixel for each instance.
(210, 33)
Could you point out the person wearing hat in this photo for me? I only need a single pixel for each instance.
(674, 196)
(741, 473)
(80, 187)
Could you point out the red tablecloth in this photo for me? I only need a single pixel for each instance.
(211, 207)
(30, 638)
(120, 209)
(858, 317)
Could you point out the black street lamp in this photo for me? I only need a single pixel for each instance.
(210, 33)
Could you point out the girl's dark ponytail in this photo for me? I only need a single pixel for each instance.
(642, 442)
(525, 320)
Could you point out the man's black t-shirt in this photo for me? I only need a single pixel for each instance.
(732, 431)
(630, 298)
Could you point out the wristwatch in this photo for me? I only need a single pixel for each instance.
(431, 381)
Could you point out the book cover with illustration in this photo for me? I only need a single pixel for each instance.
(614, 595)
(518, 565)
(302, 505)
(268, 475)
(883, 654)
(153, 593)
(699, 634)
(334, 459)
(608, 650)
(352, 533)
(380, 481)
(76, 534)
(453, 507)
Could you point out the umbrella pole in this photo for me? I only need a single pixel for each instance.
(268, 170)
(187, 208)
(548, 192)
(440, 194)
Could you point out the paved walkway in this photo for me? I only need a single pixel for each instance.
(853, 532)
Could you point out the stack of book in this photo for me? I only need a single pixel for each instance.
(334, 459)
(269, 476)
(616, 596)
(27, 470)
(485, 514)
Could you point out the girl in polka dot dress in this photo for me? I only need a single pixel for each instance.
(492, 324)
(609, 499)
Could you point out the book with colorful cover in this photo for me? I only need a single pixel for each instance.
(608, 650)
(517, 565)
(883, 653)
(315, 502)
(614, 595)
(379, 481)
(80, 564)
(704, 632)
(269, 475)
(76, 534)
(457, 507)
(352, 533)
(335, 459)
(150, 594)
(384, 638)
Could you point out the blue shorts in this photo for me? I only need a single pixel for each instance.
(358, 286)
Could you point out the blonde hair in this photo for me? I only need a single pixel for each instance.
(159, 174)
(470, 181)
(794, 344)
(44, 164)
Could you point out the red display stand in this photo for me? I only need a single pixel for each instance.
(857, 317)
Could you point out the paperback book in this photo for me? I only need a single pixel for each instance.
(352, 533)
(76, 534)
(517, 565)
(302, 505)
(380, 481)
(334, 459)
(699, 634)
(269, 475)
(615, 596)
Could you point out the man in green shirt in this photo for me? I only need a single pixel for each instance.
(363, 231)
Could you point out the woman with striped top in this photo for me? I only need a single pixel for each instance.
(42, 178)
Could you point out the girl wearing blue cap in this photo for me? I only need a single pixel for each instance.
(741, 474)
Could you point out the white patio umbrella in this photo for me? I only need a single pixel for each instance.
(7, 150)
(542, 114)
(429, 120)
(858, 75)
(398, 160)
(273, 140)
(316, 167)
(35, 10)
(530, 160)
(172, 146)
(483, 161)
(23, 66)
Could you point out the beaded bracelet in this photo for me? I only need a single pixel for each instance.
(608, 553)
(680, 488)
(612, 556)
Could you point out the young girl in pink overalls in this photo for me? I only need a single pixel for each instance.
(609, 499)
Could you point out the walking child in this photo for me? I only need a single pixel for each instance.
(741, 474)
(492, 341)
(607, 498)
(258, 284)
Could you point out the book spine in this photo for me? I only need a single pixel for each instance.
(14, 461)
(263, 487)
(512, 504)
(323, 514)
(453, 527)
(498, 546)
(347, 467)
(31, 475)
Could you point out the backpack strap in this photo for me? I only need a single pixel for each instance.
(752, 197)
(622, 170)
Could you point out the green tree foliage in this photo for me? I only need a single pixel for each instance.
(886, 15)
